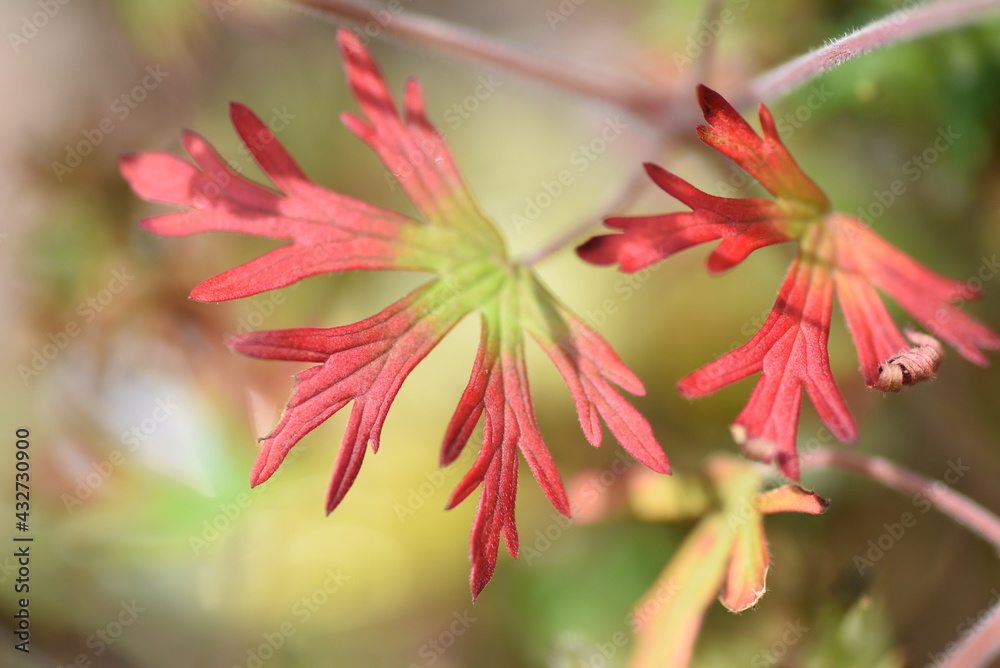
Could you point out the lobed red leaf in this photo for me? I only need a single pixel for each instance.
(789, 351)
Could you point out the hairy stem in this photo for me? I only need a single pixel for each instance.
(465, 43)
(631, 190)
(703, 71)
(658, 109)
(957, 506)
(904, 24)
(980, 644)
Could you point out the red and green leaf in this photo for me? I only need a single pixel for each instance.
(725, 556)
(365, 363)
(837, 254)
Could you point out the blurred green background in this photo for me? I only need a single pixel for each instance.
(151, 550)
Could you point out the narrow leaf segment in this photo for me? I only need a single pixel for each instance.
(837, 255)
(365, 363)
(725, 556)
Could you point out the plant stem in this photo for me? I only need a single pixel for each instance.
(982, 642)
(703, 70)
(657, 109)
(957, 506)
(465, 43)
(633, 188)
(904, 24)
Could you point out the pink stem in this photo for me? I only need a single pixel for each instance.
(957, 506)
(465, 43)
(633, 188)
(703, 72)
(982, 642)
(901, 25)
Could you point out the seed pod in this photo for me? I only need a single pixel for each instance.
(912, 365)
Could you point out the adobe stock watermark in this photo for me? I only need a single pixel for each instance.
(88, 310)
(301, 612)
(262, 308)
(771, 655)
(219, 523)
(748, 329)
(967, 626)
(580, 160)
(462, 110)
(913, 169)
(101, 639)
(120, 109)
(635, 620)
(988, 269)
(895, 531)
(277, 122)
(543, 539)
(625, 287)
(562, 12)
(434, 648)
(739, 180)
(418, 496)
(32, 24)
(803, 113)
(131, 438)
(214, 527)
(708, 31)
(651, 605)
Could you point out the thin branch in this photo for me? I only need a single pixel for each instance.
(904, 24)
(703, 71)
(633, 188)
(957, 506)
(465, 43)
(980, 644)
(657, 109)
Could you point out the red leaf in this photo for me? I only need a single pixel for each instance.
(330, 232)
(412, 148)
(766, 159)
(589, 366)
(745, 582)
(790, 499)
(924, 294)
(791, 351)
(367, 362)
(836, 252)
(499, 387)
(744, 225)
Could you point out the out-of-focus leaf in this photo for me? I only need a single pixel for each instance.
(658, 499)
(790, 499)
(668, 617)
(747, 573)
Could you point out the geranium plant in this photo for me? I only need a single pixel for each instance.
(452, 239)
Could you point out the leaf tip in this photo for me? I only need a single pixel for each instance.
(260, 473)
(348, 40)
(710, 101)
(203, 293)
(601, 250)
